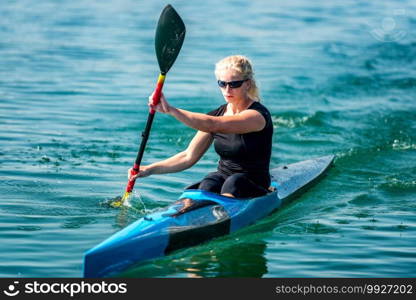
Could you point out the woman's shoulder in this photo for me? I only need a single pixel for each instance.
(265, 113)
(260, 108)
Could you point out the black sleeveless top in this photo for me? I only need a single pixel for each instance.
(245, 153)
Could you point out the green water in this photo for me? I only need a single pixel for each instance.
(338, 77)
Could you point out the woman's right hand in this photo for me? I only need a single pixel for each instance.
(163, 106)
(143, 172)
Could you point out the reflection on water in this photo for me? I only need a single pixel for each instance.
(228, 258)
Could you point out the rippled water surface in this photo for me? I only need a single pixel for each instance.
(339, 78)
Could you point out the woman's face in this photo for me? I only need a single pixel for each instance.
(233, 94)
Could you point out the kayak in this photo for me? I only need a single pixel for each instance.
(198, 216)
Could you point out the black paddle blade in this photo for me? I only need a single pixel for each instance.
(170, 34)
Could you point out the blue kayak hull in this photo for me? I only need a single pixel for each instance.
(197, 217)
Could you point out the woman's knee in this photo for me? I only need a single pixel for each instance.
(233, 184)
(236, 178)
(240, 186)
(208, 185)
(211, 183)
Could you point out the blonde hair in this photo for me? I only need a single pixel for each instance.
(242, 65)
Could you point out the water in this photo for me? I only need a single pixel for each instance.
(338, 77)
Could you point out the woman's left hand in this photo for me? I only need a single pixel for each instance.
(163, 105)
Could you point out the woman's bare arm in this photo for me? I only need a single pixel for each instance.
(247, 121)
(244, 122)
(181, 161)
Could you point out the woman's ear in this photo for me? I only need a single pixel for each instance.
(248, 84)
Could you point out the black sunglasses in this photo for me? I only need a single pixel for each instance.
(231, 84)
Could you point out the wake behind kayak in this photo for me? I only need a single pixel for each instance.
(197, 217)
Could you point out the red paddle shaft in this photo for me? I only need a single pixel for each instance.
(145, 134)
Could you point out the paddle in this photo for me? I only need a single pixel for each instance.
(170, 33)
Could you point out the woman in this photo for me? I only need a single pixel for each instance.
(241, 130)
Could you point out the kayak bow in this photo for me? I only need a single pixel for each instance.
(197, 217)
